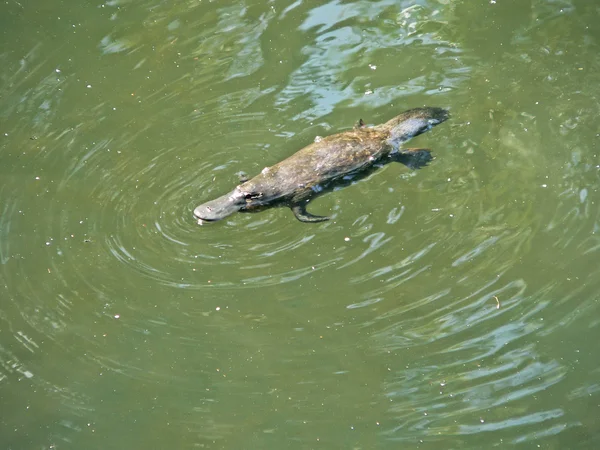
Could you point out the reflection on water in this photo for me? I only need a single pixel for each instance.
(454, 306)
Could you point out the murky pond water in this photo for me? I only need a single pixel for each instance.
(455, 306)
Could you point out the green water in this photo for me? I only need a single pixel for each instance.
(452, 307)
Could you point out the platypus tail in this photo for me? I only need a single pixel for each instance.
(412, 123)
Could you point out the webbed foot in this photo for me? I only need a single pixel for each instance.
(302, 215)
(413, 158)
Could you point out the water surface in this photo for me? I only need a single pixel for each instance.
(451, 307)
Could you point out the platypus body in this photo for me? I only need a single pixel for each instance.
(329, 162)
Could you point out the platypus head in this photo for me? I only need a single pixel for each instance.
(221, 207)
(239, 199)
(412, 123)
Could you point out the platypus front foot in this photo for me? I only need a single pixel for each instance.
(302, 215)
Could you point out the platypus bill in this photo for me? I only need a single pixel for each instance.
(330, 162)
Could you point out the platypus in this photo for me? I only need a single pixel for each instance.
(329, 162)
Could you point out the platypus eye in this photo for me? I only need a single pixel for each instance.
(252, 195)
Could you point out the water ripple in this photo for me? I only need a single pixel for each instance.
(438, 304)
